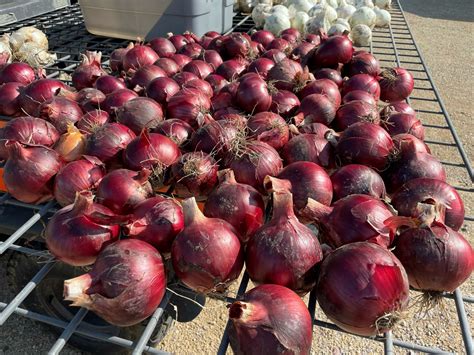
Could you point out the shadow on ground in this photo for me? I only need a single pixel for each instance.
(455, 10)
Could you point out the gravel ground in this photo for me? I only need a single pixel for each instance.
(433, 26)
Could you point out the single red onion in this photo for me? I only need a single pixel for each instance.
(284, 251)
(399, 123)
(183, 77)
(263, 37)
(116, 58)
(140, 113)
(89, 99)
(284, 103)
(353, 112)
(37, 92)
(330, 74)
(357, 179)
(168, 65)
(60, 111)
(17, 73)
(395, 84)
(302, 50)
(85, 75)
(280, 44)
(138, 56)
(189, 105)
(408, 198)
(162, 89)
(163, 47)
(93, 120)
(201, 85)
(331, 52)
(236, 45)
(359, 95)
(213, 58)
(362, 63)
(217, 82)
(363, 288)
(191, 50)
(261, 66)
(181, 60)
(108, 84)
(77, 176)
(122, 190)
(274, 54)
(194, 174)
(270, 128)
(253, 96)
(309, 147)
(399, 106)
(317, 108)
(29, 171)
(270, 318)
(118, 279)
(109, 140)
(199, 68)
(157, 221)
(117, 99)
(144, 75)
(288, 74)
(207, 255)
(364, 82)
(216, 137)
(231, 69)
(405, 144)
(177, 130)
(323, 87)
(9, 99)
(77, 233)
(239, 204)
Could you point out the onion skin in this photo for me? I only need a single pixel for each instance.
(355, 111)
(308, 147)
(284, 251)
(109, 140)
(169, 66)
(364, 82)
(358, 284)
(231, 69)
(181, 60)
(77, 233)
(396, 84)
(29, 171)
(399, 106)
(330, 74)
(318, 129)
(261, 66)
(357, 95)
(72, 144)
(17, 72)
(207, 255)
(121, 190)
(417, 191)
(37, 92)
(116, 58)
(286, 74)
(263, 37)
(405, 144)
(238, 204)
(358, 218)
(140, 113)
(191, 50)
(253, 96)
(177, 130)
(157, 221)
(317, 108)
(89, 99)
(60, 111)
(217, 82)
(162, 89)
(270, 319)
(189, 105)
(80, 175)
(9, 101)
(357, 179)
(118, 278)
(399, 123)
(201, 85)
(199, 68)
(269, 127)
(436, 258)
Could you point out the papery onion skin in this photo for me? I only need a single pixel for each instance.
(75, 235)
(239, 204)
(37, 92)
(399, 123)
(85, 75)
(121, 273)
(207, 255)
(405, 144)
(319, 129)
(308, 147)
(72, 144)
(9, 101)
(80, 175)
(357, 179)
(140, 113)
(269, 127)
(109, 140)
(358, 284)
(189, 105)
(191, 50)
(270, 318)
(425, 190)
(396, 84)
(116, 58)
(215, 137)
(284, 251)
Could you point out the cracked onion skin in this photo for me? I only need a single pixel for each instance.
(270, 319)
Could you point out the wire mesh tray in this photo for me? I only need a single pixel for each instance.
(68, 38)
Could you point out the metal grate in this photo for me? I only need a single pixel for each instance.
(69, 38)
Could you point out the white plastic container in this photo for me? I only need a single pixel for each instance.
(147, 19)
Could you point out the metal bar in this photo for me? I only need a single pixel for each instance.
(68, 331)
(388, 343)
(150, 327)
(465, 327)
(21, 296)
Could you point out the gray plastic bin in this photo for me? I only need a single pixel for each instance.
(17, 10)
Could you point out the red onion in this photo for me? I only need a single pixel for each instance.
(189, 105)
(18, 73)
(221, 101)
(399, 106)
(108, 84)
(355, 111)
(301, 50)
(236, 45)
(395, 84)
(323, 87)
(177, 130)
(304, 180)
(308, 147)
(168, 65)
(253, 96)
(89, 99)
(213, 58)
(161, 89)
(138, 56)
(284, 251)
(363, 288)
(362, 63)
(252, 161)
(181, 60)
(280, 44)
(330, 74)
(270, 318)
(216, 137)
(9, 101)
(127, 272)
(331, 52)
(85, 75)
(92, 120)
(183, 77)
(140, 113)
(231, 69)
(436, 258)
(60, 112)
(238, 119)
(80, 175)
(107, 141)
(288, 74)
(239, 204)
(116, 99)
(194, 174)
(284, 103)
(39, 91)
(367, 144)
(191, 50)
(144, 75)
(313, 38)
(317, 108)
(413, 166)
(149, 150)
(274, 54)
(206, 255)
(357, 179)
(116, 58)
(399, 123)
(77, 233)
(359, 95)
(121, 190)
(270, 128)
(157, 221)
(29, 171)
(405, 144)
(201, 85)
(261, 66)
(318, 129)
(178, 40)
(217, 82)
(408, 198)
(223, 113)
(263, 37)
(364, 82)
(163, 47)
(199, 68)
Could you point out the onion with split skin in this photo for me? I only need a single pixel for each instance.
(37, 92)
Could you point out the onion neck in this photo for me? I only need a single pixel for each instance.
(192, 213)
(247, 313)
(273, 184)
(226, 176)
(75, 290)
(83, 204)
(315, 211)
(283, 204)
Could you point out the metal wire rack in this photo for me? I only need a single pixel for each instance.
(69, 38)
